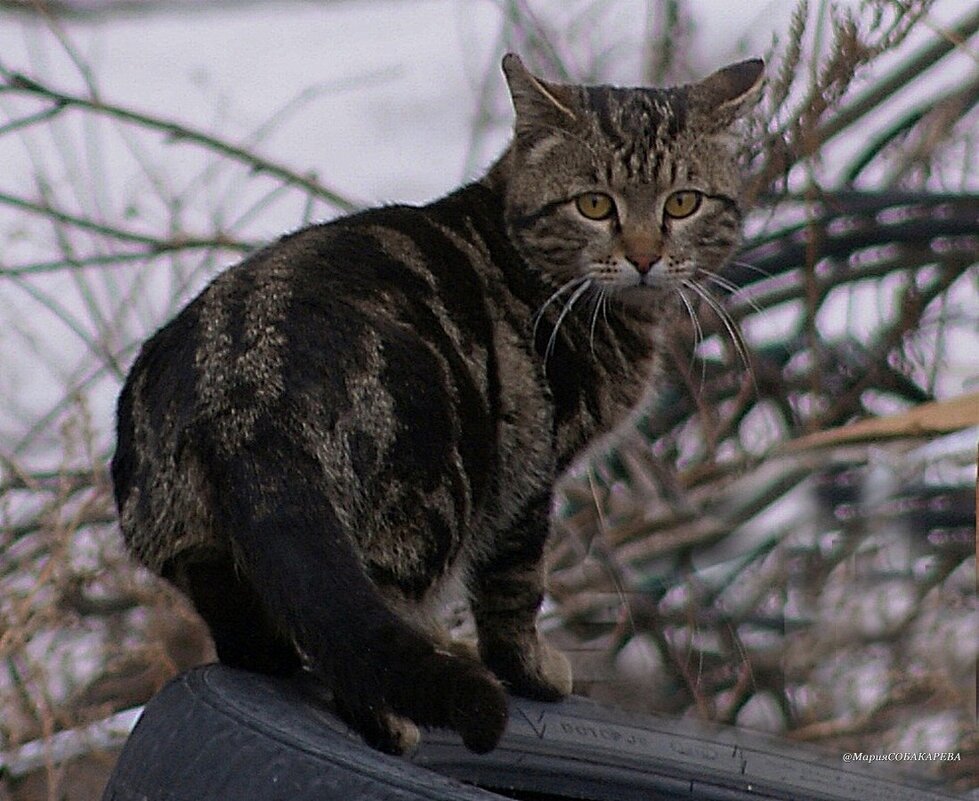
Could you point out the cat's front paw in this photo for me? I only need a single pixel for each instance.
(555, 669)
(532, 669)
(543, 676)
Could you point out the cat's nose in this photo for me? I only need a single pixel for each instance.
(642, 248)
(643, 262)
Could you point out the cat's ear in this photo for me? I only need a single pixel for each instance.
(537, 103)
(728, 94)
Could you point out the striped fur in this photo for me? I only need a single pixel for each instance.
(370, 412)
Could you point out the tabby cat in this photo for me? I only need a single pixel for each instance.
(370, 412)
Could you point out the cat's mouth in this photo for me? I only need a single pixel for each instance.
(654, 280)
(657, 276)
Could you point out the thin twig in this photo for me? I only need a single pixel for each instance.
(156, 244)
(19, 83)
(32, 119)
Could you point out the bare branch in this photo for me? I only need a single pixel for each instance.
(153, 243)
(32, 119)
(909, 69)
(21, 84)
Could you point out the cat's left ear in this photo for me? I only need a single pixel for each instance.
(728, 94)
(537, 103)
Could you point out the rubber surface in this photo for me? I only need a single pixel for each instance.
(225, 735)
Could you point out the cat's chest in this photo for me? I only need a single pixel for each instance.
(549, 413)
(594, 383)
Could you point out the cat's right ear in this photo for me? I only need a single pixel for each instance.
(728, 94)
(537, 103)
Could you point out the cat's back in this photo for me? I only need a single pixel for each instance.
(321, 293)
(333, 336)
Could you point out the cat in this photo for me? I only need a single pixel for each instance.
(369, 412)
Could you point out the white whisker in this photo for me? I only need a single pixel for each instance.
(732, 329)
(698, 335)
(729, 286)
(558, 292)
(720, 280)
(564, 313)
(752, 267)
(599, 301)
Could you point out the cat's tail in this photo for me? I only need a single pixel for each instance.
(292, 550)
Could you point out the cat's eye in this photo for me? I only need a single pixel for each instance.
(682, 204)
(595, 205)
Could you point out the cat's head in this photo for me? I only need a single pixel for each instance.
(636, 189)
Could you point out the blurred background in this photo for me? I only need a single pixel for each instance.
(785, 542)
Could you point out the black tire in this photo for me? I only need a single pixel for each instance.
(226, 735)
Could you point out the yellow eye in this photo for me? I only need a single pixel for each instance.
(682, 204)
(595, 205)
